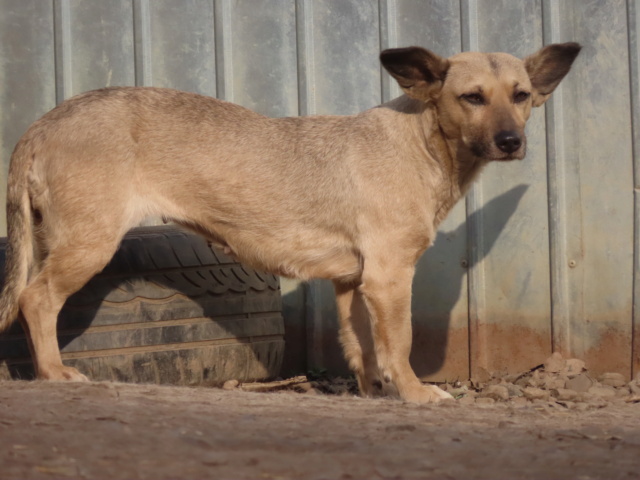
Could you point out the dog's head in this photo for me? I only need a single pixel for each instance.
(483, 100)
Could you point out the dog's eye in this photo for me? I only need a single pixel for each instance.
(473, 98)
(520, 97)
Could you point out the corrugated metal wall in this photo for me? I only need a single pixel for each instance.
(542, 255)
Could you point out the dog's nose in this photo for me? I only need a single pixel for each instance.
(508, 141)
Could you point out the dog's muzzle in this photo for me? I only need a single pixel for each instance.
(508, 141)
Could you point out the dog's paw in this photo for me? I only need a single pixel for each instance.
(62, 373)
(426, 394)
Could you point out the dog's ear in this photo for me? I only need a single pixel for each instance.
(547, 67)
(419, 72)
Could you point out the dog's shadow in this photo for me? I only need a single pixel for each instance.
(438, 286)
(438, 325)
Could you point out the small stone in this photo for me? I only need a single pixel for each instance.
(535, 380)
(485, 401)
(595, 401)
(519, 402)
(304, 387)
(554, 381)
(581, 406)
(604, 391)
(623, 391)
(514, 390)
(574, 367)
(580, 383)
(230, 385)
(616, 400)
(458, 392)
(496, 392)
(632, 399)
(482, 376)
(533, 393)
(634, 386)
(533, 383)
(564, 394)
(555, 363)
(523, 381)
(613, 379)
(467, 400)
(557, 405)
(510, 378)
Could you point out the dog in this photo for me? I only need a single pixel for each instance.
(354, 199)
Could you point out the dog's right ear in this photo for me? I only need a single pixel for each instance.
(419, 72)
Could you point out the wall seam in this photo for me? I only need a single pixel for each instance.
(315, 323)
(142, 43)
(388, 39)
(633, 21)
(224, 60)
(478, 342)
(62, 50)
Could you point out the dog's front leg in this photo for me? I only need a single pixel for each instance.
(386, 290)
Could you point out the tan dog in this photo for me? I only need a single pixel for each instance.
(355, 199)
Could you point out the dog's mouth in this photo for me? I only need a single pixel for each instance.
(508, 158)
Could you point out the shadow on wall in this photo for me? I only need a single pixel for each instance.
(438, 285)
(437, 288)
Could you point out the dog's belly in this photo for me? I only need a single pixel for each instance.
(293, 254)
(330, 264)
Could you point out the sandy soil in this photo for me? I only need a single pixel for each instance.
(110, 430)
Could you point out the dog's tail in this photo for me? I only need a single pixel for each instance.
(19, 253)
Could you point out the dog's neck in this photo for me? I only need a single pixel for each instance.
(459, 166)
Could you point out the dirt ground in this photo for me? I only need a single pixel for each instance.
(520, 427)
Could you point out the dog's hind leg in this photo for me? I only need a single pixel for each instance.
(357, 340)
(64, 271)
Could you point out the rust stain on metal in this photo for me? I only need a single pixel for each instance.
(635, 358)
(508, 348)
(440, 354)
(610, 353)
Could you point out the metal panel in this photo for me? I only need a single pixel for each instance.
(601, 272)
(633, 7)
(263, 41)
(563, 190)
(434, 25)
(27, 74)
(542, 256)
(182, 45)
(345, 45)
(102, 47)
(515, 315)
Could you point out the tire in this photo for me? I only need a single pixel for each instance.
(168, 309)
